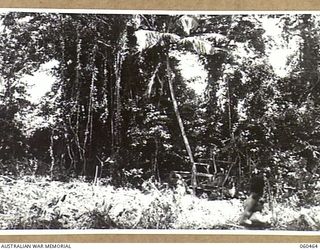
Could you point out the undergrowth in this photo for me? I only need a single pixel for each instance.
(38, 203)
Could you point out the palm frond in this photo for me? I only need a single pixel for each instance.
(201, 46)
(149, 38)
(188, 23)
(206, 44)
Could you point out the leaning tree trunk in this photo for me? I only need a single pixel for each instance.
(181, 126)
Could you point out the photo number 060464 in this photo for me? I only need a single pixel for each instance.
(159, 121)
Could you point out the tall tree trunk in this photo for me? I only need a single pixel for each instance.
(181, 126)
(112, 112)
(119, 58)
(51, 150)
(77, 100)
(230, 114)
(88, 130)
(116, 117)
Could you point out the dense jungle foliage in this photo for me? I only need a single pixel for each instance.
(122, 109)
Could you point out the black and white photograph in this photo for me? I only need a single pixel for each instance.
(144, 120)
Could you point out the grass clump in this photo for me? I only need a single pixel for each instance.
(37, 203)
